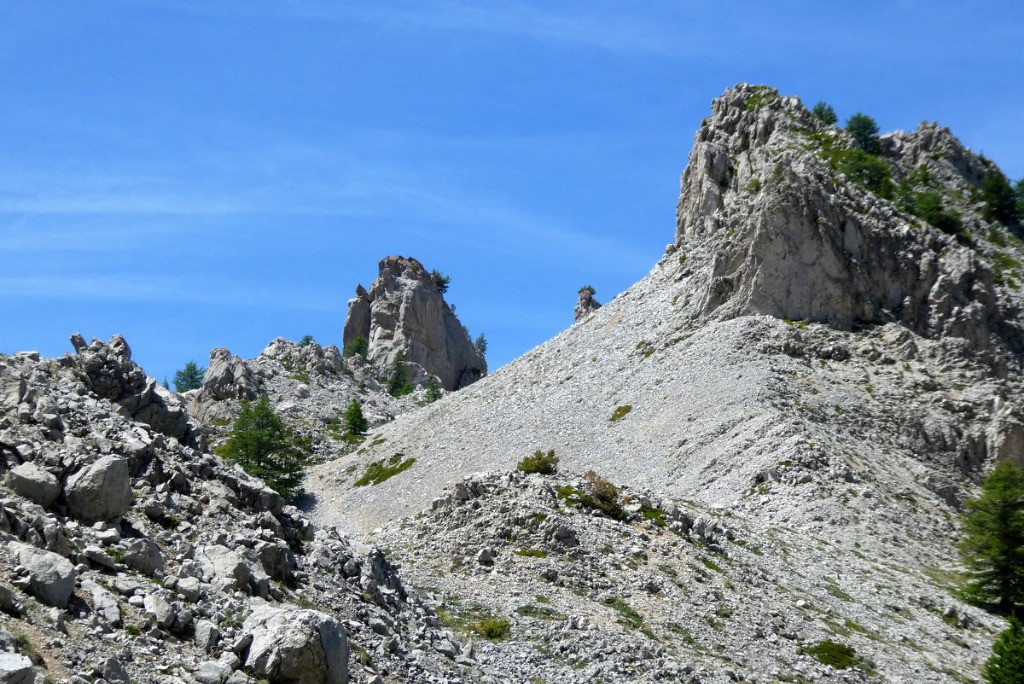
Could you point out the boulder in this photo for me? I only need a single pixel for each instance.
(49, 577)
(293, 646)
(144, 556)
(220, 562)
(104, 603)
(228, 377)
(163, 612)
(404, 311)
(35, 484)
(16, 669)
(101, 491)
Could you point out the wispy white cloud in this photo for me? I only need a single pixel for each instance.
(126, 288)
(599, 25)
(119, 208)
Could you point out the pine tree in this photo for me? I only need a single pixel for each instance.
(824, 112)
(864, 130)
(357, 346)
(433, 390)
(355, 422)
(440, 280)
(993, 543)
(189, 378)
(1006, 666)
(398, 380)
(266, 448)
(1000, 200)
(481, 343)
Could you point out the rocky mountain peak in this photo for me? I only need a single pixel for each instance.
(404, 311)
(779, 214)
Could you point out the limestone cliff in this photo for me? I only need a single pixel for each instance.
(404, 311)
(786, 232)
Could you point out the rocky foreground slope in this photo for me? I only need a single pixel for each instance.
(763, 447)
(130, 553)
(812, 367)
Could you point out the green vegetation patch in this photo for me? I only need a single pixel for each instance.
(862, 167)
(381, 471)
(760, 97)
(492, 628)
(539, 612)
(655, 515)
(532, 553)
(834, 654)
(629, 616)
(620, 412)
(539, 462)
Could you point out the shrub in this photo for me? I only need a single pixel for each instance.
(867, 170)
(355, 422)
(600, 494)
(823, 112)
(357, 346)
(1000, 200)
(398, 380)
(440, 280)
(620, 412)
(993, 543)
(434, 390)
(588, 289)
(492, 628)
(539, 462)
(266, 448)
(306, 341)
(188, 378)
(928, 205)
(835, 655)
(864, 131)
(1006, 665)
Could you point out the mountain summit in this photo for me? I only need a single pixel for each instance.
(796, 222)
(808, 383)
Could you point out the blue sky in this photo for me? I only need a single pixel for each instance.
(219, 173)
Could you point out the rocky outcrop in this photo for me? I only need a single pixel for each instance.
(108, 371)
(228, 377)
(150, 555)
(586, 304)
(778, 229)
(404, 311)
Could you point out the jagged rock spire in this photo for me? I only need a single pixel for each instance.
(404, 311)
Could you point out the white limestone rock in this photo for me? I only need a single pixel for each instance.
(405, 312)
(33, 483)
(291, 645)
(100, 491)
(49, 577)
